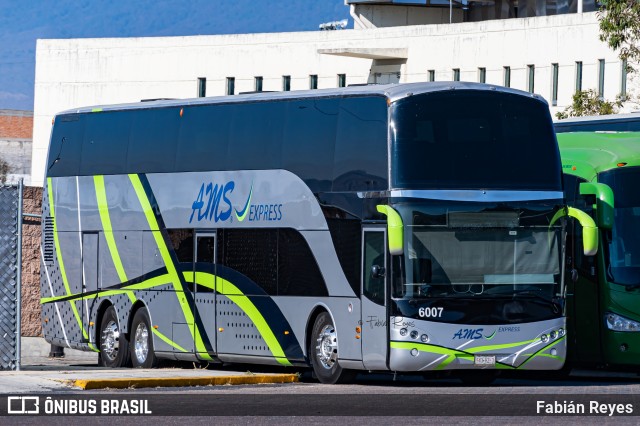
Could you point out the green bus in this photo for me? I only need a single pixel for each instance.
(601, 164)
(403, 228)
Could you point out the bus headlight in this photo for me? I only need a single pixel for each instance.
(619, 323)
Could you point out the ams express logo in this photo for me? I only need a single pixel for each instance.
(218, 203)
(478, 333)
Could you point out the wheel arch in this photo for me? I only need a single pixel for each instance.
(315, 312)
(139, 304)
(104, 305)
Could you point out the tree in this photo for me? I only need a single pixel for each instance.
(620, 27)
(587, 102)
(4, 171)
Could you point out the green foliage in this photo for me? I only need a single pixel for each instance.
(4, 171)
(587, 102)
(620, 27)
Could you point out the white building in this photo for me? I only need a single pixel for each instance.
(550, 55)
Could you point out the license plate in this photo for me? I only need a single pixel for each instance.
(484, 360)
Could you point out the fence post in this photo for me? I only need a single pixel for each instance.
(19, 280)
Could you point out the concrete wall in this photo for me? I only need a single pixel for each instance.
(82, 72)
(381, 15)
(31, 322)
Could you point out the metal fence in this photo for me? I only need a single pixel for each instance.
(10, 274)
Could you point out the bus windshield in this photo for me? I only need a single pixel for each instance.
(624, 247)
(488, 252)
(446, 140)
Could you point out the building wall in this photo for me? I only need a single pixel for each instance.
(31, 322)
(16, 130)
(83, 72)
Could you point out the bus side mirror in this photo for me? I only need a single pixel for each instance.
(394, 229)
(589, 231)
(604, 202)
(589, 228)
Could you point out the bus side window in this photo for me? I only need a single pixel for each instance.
(362, 122)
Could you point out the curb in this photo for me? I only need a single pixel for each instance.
(151, 382)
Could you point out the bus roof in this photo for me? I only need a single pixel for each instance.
(393, 92)
(595, 123)
(594, 118)
(586, 154)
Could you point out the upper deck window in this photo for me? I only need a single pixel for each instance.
(473, 140)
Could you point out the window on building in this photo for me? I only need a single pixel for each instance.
(342, 80)
(482, 75)
(554, 84)
(623, 79)
(578, 76)
(601, 78)
(432, 75)
(286, 83)
(456, 74)
(507, 77)
(313, 81)
(257, 84)
(202, 87)
(231, 85)
(531, 75)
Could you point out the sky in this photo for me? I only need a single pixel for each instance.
(23, 22)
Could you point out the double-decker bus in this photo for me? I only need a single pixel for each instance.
(601, 158)
(404, 228)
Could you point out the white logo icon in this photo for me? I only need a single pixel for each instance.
(23, 405)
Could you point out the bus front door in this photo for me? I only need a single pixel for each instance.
(204, 293)
(374, 311)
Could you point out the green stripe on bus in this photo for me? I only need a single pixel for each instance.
(501, 346)
(168, 341)
(63, 273)
(103, 208)
(244, 303)
(446, 362)
(173, 273)
(144, 285)
(538, 353)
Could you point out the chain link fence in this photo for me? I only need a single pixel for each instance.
(10, 258)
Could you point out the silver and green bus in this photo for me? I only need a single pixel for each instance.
(601, 163)
(405, 228)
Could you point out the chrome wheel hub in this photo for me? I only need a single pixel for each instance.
(327, 348)
(110, 340)
(141, 343)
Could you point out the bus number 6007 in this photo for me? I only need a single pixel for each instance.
(430, 312)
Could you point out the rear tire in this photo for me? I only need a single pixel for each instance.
(323, 352)
(114, 347)
(142, 352)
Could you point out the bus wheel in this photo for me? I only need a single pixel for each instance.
(114, 347)
(323, 352)
(142, 353)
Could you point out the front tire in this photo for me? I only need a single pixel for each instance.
(114, 347)
(142, 352)
(323, 352)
